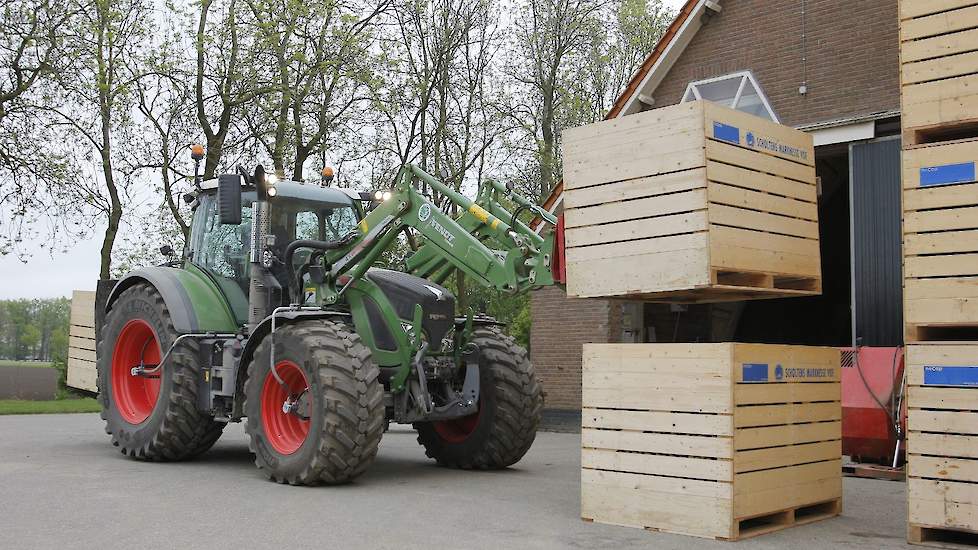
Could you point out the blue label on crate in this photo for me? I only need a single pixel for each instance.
(947, 175)
(726, 132)
(951, 376)
(755, 372)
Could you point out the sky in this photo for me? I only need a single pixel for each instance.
(47, 276)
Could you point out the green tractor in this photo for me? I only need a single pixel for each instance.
(276, 314)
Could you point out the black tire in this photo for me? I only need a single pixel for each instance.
(510, 402)
(346, 420)
(175, 429)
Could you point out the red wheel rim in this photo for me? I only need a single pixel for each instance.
(285, 431)
(135, 397)
(458, 430)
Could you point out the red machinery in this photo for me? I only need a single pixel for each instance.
(873, 408)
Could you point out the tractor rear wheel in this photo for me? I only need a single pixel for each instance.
(504, 427)
(330, 430)
(152, 417)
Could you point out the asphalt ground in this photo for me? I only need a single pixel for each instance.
(63, 486)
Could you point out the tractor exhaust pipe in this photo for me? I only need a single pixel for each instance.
(258, 291)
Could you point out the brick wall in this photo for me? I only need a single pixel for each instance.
(561, 326)
(852, 56)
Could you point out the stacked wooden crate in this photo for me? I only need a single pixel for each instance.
(722, 441)
(939, 72)
(690, 203)
(81, 342)
(942, 443)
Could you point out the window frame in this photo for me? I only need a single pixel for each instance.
(692, 92)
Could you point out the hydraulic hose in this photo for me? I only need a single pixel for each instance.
(315, 245)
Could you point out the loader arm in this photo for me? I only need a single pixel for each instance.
(485, 241)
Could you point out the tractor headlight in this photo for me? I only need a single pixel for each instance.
(271, 191)
(387, 195)
(378, 196)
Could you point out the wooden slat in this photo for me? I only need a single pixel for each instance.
(789, 413)
(941, 266)
(658, 421)
(942, 467)
(83, 308)
(685, 506)
(943, 101)
(965, 399)
(943, 503)
(646, 273)
(952, 422)
(762, 221)
(943, 67)
(739, 249)
(82, 374)
(910, 9)
(673, 466)
(662, 205)
(779, 457)
(952, 445)
(759, 181)
(637, 188)
(81, 343)
(659, 443)
(82, 332)
(940, 23)
(949, 196)
(805, 490)
(757, 394)
(738, 156)
(775, 204)
(790, 434)
(84, 354)
(692, 241)
(941, 220)
(936, 48)
(637, 229)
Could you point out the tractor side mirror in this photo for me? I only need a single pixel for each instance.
(229, 199)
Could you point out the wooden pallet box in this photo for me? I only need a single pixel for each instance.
(942, 442)
(82, 373)
(940, 225)
(690, 203)
(939, 70)
(722, 441)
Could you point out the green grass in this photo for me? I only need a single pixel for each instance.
(72, 405)
(14, 363)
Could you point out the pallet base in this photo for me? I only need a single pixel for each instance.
(942, 537)
(768, 523)
(734, 286)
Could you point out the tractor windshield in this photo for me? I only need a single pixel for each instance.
(223, 250)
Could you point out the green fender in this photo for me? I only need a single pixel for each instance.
(194, 301)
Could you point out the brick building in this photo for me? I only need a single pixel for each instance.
(828, 67)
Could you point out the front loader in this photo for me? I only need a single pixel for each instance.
(276, 314)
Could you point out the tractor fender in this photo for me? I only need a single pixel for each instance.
(195, 304)
(260, 332)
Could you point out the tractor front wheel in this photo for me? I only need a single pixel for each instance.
(321, 418)
(504, 427)
(152, 416)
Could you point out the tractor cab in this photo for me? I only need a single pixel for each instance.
(298, 211)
